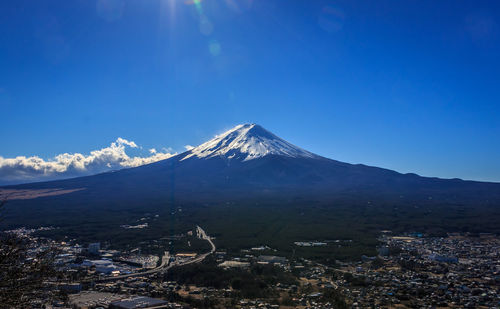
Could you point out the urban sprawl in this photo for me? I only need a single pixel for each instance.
(410, 271)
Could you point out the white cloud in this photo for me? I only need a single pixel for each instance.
(26, 169)
(188, 147)
(123, 141)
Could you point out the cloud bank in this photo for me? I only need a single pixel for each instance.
(23, 169)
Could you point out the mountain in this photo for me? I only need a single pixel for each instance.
(251, 161)
(247, 142)
(256, 173)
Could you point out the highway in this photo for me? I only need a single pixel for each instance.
(201, 234)
(164, 266)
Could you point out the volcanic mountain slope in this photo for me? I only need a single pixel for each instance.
(249, 161)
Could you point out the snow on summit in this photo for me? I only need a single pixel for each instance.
(246, 142)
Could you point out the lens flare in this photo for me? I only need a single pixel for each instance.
(214, 48)
(197, 4)
(206, 27)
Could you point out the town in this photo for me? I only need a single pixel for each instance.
(413, 270)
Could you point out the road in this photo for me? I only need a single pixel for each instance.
(164, 266)
(201, 234)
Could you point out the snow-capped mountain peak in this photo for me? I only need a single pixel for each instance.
(246, 142)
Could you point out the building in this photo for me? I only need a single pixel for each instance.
(91, 299)
(94, 248)
(272, 259)
(186, 255)
(101, 266)
(383, 251)
(231, 264)
(443, 258)
(139, 302)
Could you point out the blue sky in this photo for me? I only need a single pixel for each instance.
(407, 85)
